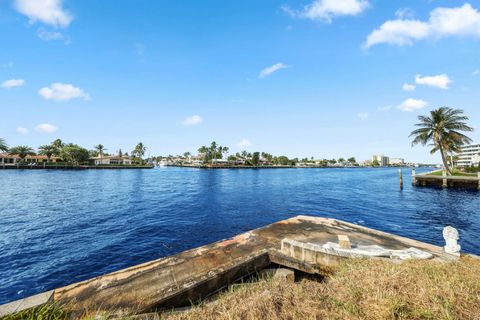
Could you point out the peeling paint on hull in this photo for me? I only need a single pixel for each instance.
(197, 273)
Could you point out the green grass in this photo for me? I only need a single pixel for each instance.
(455, 173)
(46, 312)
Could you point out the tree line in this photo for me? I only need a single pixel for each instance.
(69, 152)
(210, 154)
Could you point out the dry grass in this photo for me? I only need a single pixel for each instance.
(359, 289)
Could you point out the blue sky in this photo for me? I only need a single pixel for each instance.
(320, 78)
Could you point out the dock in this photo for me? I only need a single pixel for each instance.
(444, 181)
(303, 243)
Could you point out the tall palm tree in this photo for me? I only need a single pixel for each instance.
(139, 150)
(100, 148)
(22, 151)
(205, 151)
(48, 150)
(58, 145)
(442, 130)
(3, 145)
(213, 151)
(224, 150)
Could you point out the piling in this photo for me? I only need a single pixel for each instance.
(444, 181)
(414, 178)
(400, 174)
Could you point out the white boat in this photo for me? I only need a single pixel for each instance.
(162, 163)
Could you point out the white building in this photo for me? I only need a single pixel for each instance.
(397, 161)
(13, 159)
(469, 156)
(381, 159)
(113, 160)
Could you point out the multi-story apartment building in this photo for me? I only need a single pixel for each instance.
(382, 160)
(469, 156)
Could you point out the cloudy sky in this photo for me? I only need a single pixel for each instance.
(323, 78)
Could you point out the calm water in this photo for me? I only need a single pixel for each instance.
(59, 227)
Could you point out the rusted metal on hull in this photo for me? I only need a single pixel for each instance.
(197, 273)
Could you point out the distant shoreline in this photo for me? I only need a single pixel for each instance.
(272, 167)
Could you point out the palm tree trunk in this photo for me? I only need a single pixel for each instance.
(444, 160)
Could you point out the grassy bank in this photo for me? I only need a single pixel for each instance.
(456, 173)
(359, 289)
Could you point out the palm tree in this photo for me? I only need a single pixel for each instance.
(213, 150)
(48, 150)
(100, 148)
(205, 151)
(3, 145)
(225, 150)
(139, 150)
(22, 151)
(442, 129)
(58, 145)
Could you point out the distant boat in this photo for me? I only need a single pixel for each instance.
(162, 163)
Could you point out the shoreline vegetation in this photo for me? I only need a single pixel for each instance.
(217, 157)
(357, 289)
(60, 155)
(456, 173)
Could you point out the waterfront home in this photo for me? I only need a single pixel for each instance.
(13, 159)
(196, 160)
(111, 160)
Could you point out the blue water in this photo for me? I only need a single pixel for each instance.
(60, 227)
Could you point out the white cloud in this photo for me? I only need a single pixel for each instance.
(410, 105)
(22, 130)
(326, 10)
(51, 35)
(62, 92)
(192, 121)
(363, 116)
(443, 22)
(244, 144)
(441, 81)
(12, 83)
(269, 70)
(404, 13)
(46, 128)
(384, 108)
(47, 11)
(408, 87)
(476, 72)
(399, 32)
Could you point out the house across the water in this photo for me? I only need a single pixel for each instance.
(111, 160)
(13, 159)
